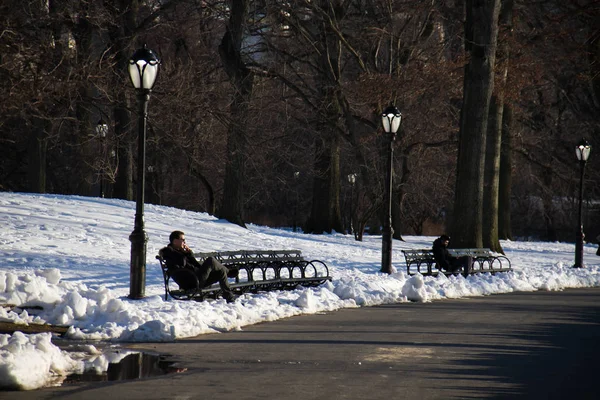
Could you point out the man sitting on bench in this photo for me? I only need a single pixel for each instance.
(178, 255)
(446, 261)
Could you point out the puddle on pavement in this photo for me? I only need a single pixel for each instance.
(133, 366)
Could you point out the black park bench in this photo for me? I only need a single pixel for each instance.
(259, 270)
(484, 260)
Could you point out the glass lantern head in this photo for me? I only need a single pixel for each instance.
(583, 150)
(102, 128)
(391, 119)
(143, 68)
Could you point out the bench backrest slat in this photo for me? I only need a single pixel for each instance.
(471, 252)
(253, 256)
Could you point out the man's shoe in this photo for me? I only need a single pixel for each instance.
(229, 297)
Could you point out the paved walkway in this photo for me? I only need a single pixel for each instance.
(542, 345)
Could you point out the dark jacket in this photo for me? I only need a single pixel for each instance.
(176, 259)
(442, 256)
(201, 275)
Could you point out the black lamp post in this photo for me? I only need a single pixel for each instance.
(143, 69)
(102, 130)
(583, 152)
(390, 119)
(296, 200)
(352, 181)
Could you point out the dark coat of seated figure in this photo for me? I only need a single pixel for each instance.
(178, 255)
(448, 262)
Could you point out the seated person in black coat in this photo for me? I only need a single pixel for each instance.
(178, 255)
(446, 261)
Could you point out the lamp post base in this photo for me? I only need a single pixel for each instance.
(386, 253)
(138, 239)
(579, 250)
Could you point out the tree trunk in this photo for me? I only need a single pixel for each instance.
(364, 178)
(492, 175)
(37, 157)
(594, 61)
(119, 39)
(397, 214)
(326, 214)
(505, 182)
(548, 211)
(242, 80)
(210, 192)
(123, 188)
(481, 29)
(86, 175)
(89, 175)
(505, 171)
(494, 137)
(399, 193)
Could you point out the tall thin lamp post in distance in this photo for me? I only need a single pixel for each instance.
(102, 131)
(390, 119)
(296, 200)
(352, 181)
(582, 151)
(143, 69)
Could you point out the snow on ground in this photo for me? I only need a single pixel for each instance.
(64, 260)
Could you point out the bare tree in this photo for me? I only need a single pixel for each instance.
(481, 32)
(505, 179)
(496, 130)
(242, 80)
